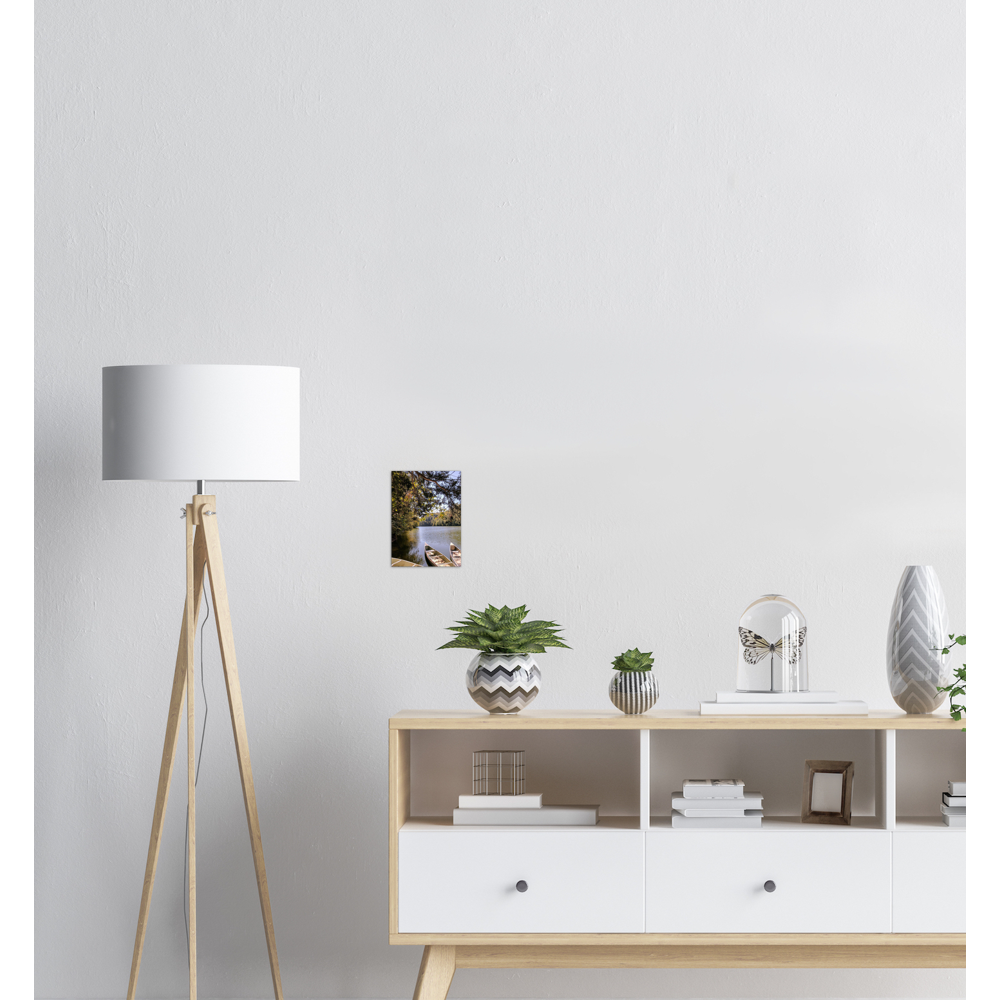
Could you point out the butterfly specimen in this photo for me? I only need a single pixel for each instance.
(756, 647)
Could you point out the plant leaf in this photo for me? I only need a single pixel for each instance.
(503, 630)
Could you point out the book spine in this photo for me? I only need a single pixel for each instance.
(753, 800)
(715, 813)
(704, 790)
(775, 697)
(751, 820)
(802, 708)
(547, 816)
(528, 801)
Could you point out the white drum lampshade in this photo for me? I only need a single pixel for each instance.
(201, 422)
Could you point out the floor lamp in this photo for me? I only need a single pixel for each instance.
(202, 422)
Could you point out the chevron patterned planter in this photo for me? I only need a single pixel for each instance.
(919, 622)
(503, 682)
(633, 691)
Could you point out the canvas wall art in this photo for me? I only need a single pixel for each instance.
(426, 530)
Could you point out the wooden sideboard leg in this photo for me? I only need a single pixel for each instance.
(437, 969)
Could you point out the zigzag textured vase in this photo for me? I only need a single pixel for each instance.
(503, 682)
(919, 623)
(633, 691)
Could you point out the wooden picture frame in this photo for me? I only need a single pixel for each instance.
(845, 768)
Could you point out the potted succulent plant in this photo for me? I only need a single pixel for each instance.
(503, 676)
(633, 688)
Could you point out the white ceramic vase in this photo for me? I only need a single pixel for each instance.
(503, 682)
(917, 626)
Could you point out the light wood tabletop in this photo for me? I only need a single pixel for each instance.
(662, 719)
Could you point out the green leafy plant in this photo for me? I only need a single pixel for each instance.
(632, 659)
(504, 630)
(957, 687)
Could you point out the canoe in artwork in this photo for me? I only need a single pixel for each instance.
(456, 554)
(434, 558)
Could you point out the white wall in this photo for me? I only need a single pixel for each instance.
(677, 285)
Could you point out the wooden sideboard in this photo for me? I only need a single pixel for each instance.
(632, 892)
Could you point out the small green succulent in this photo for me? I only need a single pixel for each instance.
(504, 630)
(632, 659)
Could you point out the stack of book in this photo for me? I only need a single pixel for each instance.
(716, 804)
(781, 703)
(519, 810)
(953, 804)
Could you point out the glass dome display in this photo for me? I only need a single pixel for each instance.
(772, 647)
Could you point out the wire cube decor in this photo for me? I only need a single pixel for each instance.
(497, 772)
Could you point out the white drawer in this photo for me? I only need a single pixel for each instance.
(928, 881)
(712, 881)
(464, 881)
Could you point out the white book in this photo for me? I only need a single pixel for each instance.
(712, 788)
(542, 816)
(749, 800)
(800, 708)
(954, 820)
(750, 820)
(532, 801)
(956, 787)
(952, 810)
(777, 697)
(714, 812)
(952, 800)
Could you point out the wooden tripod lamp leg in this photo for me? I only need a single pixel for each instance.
(192, 909)
(205, 517)
(185, 649)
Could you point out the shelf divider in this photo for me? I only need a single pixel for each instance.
(885, 793)
(643, 779)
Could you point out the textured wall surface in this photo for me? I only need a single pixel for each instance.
(678, 286)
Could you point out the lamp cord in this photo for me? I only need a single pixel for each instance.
(197, 770)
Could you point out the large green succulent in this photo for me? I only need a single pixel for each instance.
(503, 630)
(632, 659)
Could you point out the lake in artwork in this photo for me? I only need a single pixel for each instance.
(440, 537)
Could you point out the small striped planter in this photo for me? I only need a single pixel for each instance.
(633, 691)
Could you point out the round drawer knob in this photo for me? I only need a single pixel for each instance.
(769, 886)
(521, 886)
